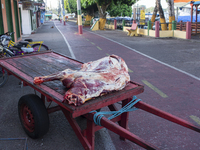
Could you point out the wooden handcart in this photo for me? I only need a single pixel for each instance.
(34, 115)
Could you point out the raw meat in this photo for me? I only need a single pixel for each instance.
(94, 79)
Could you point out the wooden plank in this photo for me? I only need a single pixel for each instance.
(72, 64)
(43, 89)
(39, 66)
(25, 65)
(24, 77)
(49, 61)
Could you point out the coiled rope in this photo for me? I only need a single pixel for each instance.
(127, 108)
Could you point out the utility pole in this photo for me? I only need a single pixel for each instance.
(63, 7)
(80, 27)
(59, 9)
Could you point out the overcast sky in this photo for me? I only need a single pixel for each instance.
(54, 3)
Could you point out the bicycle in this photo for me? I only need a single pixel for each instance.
(8, 48)
(4, 52)
(26, 46)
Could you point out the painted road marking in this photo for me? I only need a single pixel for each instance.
(148, 56)
(92, 43)
(129, 70)
(107, 54)
(196, 119)
(99, 48)
(87, 40)
(155, 89)
(69, 47)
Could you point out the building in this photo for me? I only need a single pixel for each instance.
(20, 16)
(10, 18)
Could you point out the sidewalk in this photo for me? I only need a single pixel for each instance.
(51, 37)
(171, 65)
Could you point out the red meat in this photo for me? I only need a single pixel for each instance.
(94, 79)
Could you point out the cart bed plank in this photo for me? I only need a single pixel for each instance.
(27, 67)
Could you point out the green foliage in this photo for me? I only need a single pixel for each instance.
(90, 10)
(120, 10)
(119, 6)
(70, 6)
(127, 2)
(86, 3)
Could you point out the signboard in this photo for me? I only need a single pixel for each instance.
(142, 17)
(28, 5)
(142, 14)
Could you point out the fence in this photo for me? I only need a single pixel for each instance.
(180, 30)
(154, 30)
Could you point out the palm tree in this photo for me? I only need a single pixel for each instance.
(171, 12)
(154, 14)
(158, 8)
(162, 16)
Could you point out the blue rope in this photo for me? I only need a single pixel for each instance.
(127, 108)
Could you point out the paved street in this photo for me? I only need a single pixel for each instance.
(167, 67)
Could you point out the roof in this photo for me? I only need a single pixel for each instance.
(196, 3)
(185, 4)
(185, 1)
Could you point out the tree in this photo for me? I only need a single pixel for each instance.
(102, 6)
(154, 14)
(158, 8)
(162, 16)
(89, 11)
(171, 12)
(120, 10)
(71, 6)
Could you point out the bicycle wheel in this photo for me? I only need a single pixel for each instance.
(3, 76)
(39, 47)
(8, 55)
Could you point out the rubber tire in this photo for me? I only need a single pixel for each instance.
(3, 77)
(43, 47)
(38, 111)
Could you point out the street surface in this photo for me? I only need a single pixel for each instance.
(167, 67)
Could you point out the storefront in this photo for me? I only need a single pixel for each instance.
(9, 18)
(31, 15)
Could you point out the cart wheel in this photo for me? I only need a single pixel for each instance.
(33, 116)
